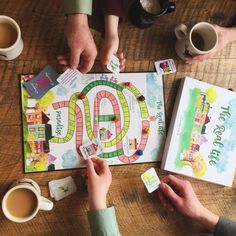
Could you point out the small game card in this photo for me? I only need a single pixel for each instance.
(151, 180)
(91, 149)
(69, 77)
(42, 83)
(165, 67)
(114, 65)
(62, 188)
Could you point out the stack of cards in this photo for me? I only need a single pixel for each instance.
(114, 65)
(42, 82)
(91, 149)
(69, 77)
(151, 180)
(62, 188)
(165, 67)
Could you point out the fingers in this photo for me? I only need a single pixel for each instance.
(64, 61)
(174, 182)
(74, 58)
(164, 201)
(170, 194)
(86, 65)
(90, 167)
(101, 164)
(106, 57)
(122, 61)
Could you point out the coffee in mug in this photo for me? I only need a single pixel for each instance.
(202, 38)
(11, 43)
(23, 201)
(143, 13)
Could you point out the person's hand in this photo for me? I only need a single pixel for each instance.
(99, 181)
(178, 194)
(225, 36)
(83, 50)
(109, 47)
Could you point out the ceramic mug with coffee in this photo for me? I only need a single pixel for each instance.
(143, 13)
(23, 201)
(202, 38)
(11, 43)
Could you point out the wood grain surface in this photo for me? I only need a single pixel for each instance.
(138, 213)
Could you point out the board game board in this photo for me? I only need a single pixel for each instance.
(125, 117)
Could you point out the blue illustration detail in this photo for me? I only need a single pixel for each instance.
(69, 160)
(229, 143)
(154, 90)
(103, 103)
(61, 90)
(154, 154)
(104, 77)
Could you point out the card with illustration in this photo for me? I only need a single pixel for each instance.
(42, 83)
(114, 65)
(151, 180)
(125, 112)
(91, 149)
(62, 188)
(165, 67)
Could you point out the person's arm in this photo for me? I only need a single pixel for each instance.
(226, 36)
(179, 194)
(113, 10)
(82, 47)
(102, 220)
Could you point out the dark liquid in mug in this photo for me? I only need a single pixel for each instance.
(21, 203)
(197, 41)
(8, 35)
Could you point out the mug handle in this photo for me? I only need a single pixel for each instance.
(45, 204)
(181, 31)
(171, 7)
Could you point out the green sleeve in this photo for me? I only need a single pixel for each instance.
(103, 222)
(78, 6)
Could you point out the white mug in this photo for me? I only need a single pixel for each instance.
(202, 38)
(42, 203)
(14, 50)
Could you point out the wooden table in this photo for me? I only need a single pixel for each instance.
(138, 212)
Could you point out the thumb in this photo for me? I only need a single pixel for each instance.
(74, 58)
(107, 56)
(90, 167)
(170, 194)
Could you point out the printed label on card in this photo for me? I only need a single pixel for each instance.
(165, 67)
(151, 180)
(114, 65)
(91, 149)
(69, 77)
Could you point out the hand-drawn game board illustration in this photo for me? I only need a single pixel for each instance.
(125, 112)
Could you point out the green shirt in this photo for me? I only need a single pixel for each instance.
(78, 6)
(103, 222)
